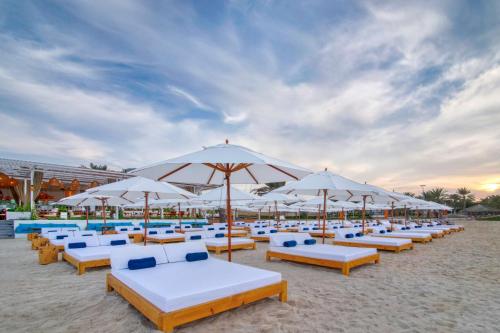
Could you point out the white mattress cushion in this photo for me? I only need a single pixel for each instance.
(224, 240)
(325, 251)
(105, 240)
(406, 233)
(90, 253)
(57, 242)
(167, 236)
(175, 286)
(379, 240)
(120, 255)
(81, 233)
(53, 235)
(177, 252)
(279, 238)
(90, 241)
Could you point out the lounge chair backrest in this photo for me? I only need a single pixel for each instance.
(85, 233)
(54, 235)
(300, 237)
(203, 235)
(50, 230)
(279, 238)
(120, 255)
(72, 229)
(177, 252)
(105, 240)
(123, 228)
(90, 241)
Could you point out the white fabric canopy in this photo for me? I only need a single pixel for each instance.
(87, 199)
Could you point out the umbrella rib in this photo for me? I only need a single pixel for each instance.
(251, 175)
(211, 176)
(283, 171)
(240, 167)
(217, 166)
(174, 171)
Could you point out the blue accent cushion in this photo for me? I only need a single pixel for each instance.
(222, 228)
(118, 242)
(341, 226)
(310, 242)
(418, 226)
(349, 236)
(152, 232)
(291, 243)
(219, 235)
(78, 245)
(136, 228)
(61, 236)
(305, 229)
(196, 256)
(187, 227)
(123, 229)
(359, 234)
(335, 227)
(389, 230)
(195, 237)
(382, 231)
(210, 229)
(260, 232)
(148, 262)
(169, 231)
(87, 235)
(52, 231)
(315, 228)
(273, 231)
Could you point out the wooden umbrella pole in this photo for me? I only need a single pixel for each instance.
(228, 212)
(319, 216)
(276, 213)
(406, 214)
(363, 213)
(87, 216)
(269, 216)
(103, 211)
(392, 215)
(324, 215)
(146, 215)
(180, 217)
(343, 216)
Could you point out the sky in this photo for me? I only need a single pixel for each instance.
(398, 94)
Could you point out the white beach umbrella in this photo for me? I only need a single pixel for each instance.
(136, 187)
(224, 163)
(328, 184)
(272, 199)
(220, 194)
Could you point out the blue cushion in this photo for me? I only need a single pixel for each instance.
(273, 231)
(123, 229)
(260, 232)
(310, 242)
(169, 231)
(257, 226)
(79, 245)
(219, 235)
(305, 229)
(137, 228)
(335, 227)
(389, 230)
(118, 242)
(418, 226)
(210, 229)
(61, 236)
(315, 228)
(177, 227)
(222, 228)
(148, 262)
(52, 231)
(349, 236)
(152, 232)
(195, 237)
(195, 256)
(291, 243)
(382, 231)
(341, 226)
(359, 234)
(187, 227)
(87, 235)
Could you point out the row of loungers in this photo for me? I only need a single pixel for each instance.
(162, 282)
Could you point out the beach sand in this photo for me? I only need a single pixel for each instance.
(449, 285)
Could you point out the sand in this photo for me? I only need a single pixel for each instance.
(449, 285)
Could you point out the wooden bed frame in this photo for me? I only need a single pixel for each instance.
(167, 321)
(344, 266)
(413, 239)
(260, 238)
(320, 234)
(81, 266)
(222, 248)
(240, 234)
(165, 240)
(394, 248)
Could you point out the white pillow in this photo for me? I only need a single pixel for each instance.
(90, 241)
(105, 240)
(177, 252)
(120, 255)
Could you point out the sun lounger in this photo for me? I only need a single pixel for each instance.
(168, 236)
(262, 235)
(380, 243)
(90, 252)
(419, 229)
(406, 234)
(169, 292)
(220, 244)
(341, 257)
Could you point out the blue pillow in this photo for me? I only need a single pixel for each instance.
(291, 243)
(187, 227)
(341, 226)
(349, 236)
(315, 228)
(123, 229)
(79, 245)
(153, 232)
(222, 228)
(382, 231)
(261, 232)
(335, 227)
(359, 234)
(177, 227)
(219, 235)
(87, 235)
(196, 256)
(257, 226)
(118, 242)
(61, 236)
(310, 242)
(389, 230)
(418, 226)
(273, 231)
(148, 262)
(195, 237)
(52, 231)
(210, 229)
(305, 229)
(137, 228)
(169, 231)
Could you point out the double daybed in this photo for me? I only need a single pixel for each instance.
(163, 282)
(217, 242)
(379, 243)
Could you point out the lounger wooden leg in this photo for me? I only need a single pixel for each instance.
(283, 296)
(81, 269)
(268, 257)
(345, 270)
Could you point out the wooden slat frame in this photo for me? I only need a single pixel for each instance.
(167, 321)
(81, 266)
(222, 248)
(344, 266)
(260, 238)
(165, 240)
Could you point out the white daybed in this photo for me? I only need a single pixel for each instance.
(380, 243)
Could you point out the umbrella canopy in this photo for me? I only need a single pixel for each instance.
(224, 163)
(220, 194)
(328, 184)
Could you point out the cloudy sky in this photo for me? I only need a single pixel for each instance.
(397, 93)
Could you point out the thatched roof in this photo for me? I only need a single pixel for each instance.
(481, 209)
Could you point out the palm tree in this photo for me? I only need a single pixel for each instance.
(436, 194)
(464, 192)
(409, 194)
(268, 188)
